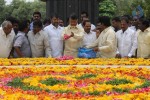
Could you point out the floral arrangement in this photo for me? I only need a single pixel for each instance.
(71, 82)
(67, 60)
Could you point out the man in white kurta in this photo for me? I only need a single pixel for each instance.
(6, 39)
(89, 36)
(87, 19)
(54, 32)
(76, 35)
(126, 39)
(106, 44)
(143, 50)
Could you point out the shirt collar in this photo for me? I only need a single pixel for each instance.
(19, 32)
(73, 27)
(37, 32)
(87, 33)
(126, 31)
(52, 26)
(148, 29)
(106, 29)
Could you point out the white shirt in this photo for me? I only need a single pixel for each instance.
(92, 26)
(143, 49)
(6, 43)
(107, 43)
(55, 40)
(39, 44)
(89, 38)
(127, 42)
(133, 28)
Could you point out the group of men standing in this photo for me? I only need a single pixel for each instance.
(121, 39)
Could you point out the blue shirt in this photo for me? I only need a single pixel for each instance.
(22, 41)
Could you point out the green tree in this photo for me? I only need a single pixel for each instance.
(2, 7)
(21, 9)
(107, 8)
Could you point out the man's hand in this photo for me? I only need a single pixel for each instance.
(72, 34)
(96, 49)
(118, 56)
(126, 57)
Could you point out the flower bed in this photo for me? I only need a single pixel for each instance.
(61, 83)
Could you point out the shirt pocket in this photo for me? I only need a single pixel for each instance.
(40, 44)
(146, 40)
(128, 41)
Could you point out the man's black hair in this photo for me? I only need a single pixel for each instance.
(73, 16)
(105, 20)
(117, 19)
(84, 12)
(38, 23)
(125, 19)
(54, 15)
(145, 22)
(37, 12)
(23, 25)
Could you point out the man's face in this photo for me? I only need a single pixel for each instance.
(101, 26)
(87, 27)
(15, 27)
(36, 17)
(73, 22)
(85, 19)
(141, 26)
(8, 29)
(114, 23)
(28, 28)
(82, 16)
(135, 21)
(55, 21)
(36, 29)
(124, 25)
(98, 27)
(61, 23)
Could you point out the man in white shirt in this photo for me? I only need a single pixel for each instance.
(74, 36)
(127, 40)
(106, 44)
(54, 32)
(6, 39)
(89, 36)
(143, 50)
(85, 17)
(39, 41)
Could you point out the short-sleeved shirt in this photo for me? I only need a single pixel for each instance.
(22, 41)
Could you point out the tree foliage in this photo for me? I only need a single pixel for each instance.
(107, 8)
(21, 9)
(123, 7)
